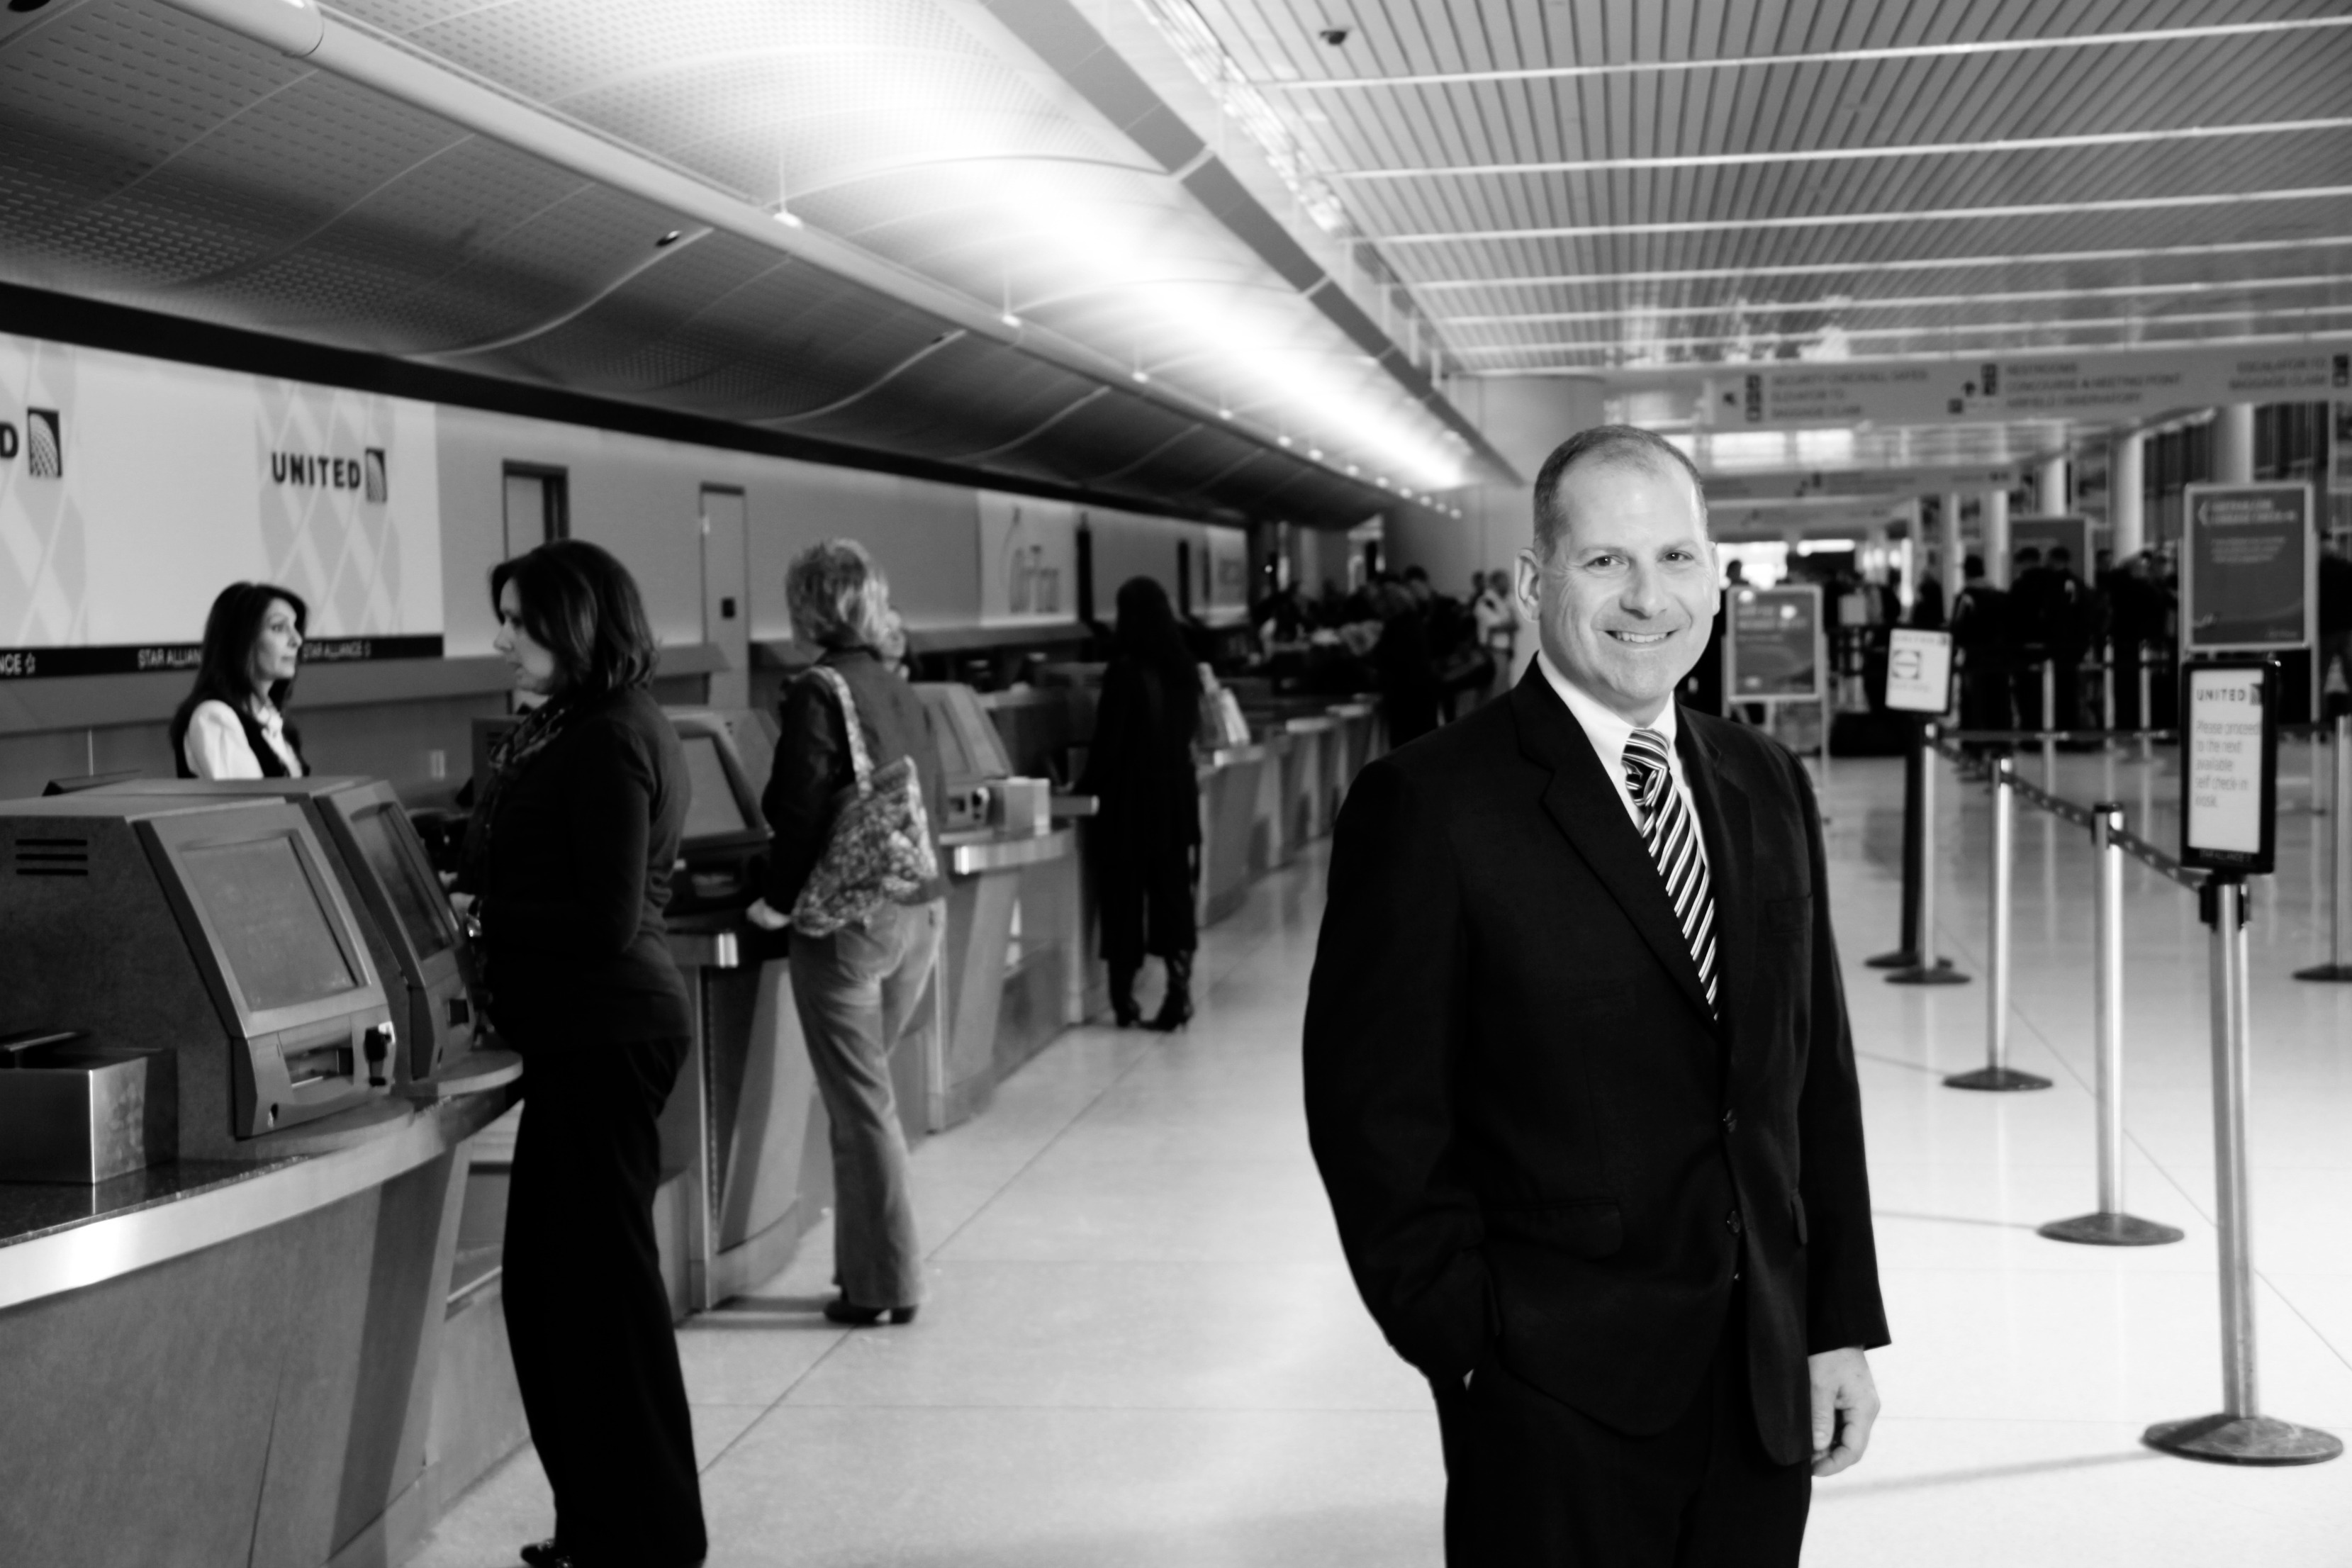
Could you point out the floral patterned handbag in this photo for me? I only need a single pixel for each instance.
(878, 850)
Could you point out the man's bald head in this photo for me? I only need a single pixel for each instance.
(1604, 445)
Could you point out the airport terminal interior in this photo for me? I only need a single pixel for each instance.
(2006, 341)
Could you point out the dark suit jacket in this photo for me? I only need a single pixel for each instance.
(578, 876)
(1538, 1144)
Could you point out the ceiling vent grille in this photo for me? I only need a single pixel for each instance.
(52, 857)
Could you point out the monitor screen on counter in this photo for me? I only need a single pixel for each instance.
(275, 932)
(715, 809)
(414, 898)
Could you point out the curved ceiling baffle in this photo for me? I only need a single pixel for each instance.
(824, 220)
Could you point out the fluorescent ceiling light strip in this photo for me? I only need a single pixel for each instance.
(1854, 220)
(1899, 303)
(1851, 154)
(1669, 371)
(1820, 57)
(1907, 264)
(2120, 323)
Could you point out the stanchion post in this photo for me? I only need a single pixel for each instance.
(2146, 704)
(2107, 688)
(2241, 1434)
(2050, 725)
(1997, 1074)
(2109, 1226)
(2338, 967)
(1926, 968)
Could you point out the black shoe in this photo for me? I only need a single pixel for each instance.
(843, 1311)
(547, 1554)
(1176, 1007)
(1123, 1010)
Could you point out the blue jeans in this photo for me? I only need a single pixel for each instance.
(856, 992)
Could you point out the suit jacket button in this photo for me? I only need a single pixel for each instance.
(1731, 1222)
(1732, 1121)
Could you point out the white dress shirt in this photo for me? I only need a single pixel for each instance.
(1608, 732)
(216, 747)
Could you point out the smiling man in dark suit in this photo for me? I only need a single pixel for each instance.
(1579, 1076)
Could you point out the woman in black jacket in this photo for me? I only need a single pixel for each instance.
(857, 989)
(1146, 839)
(568, 866)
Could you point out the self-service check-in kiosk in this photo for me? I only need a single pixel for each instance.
(411, 928)
(723, 856)
(218, 932)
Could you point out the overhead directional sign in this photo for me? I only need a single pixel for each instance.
(1860, 483)
(2099, 387)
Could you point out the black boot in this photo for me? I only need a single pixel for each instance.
(1176, 1007)
(1123, 1010)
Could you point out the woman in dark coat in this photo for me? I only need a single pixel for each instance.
(1146, 839)
(567, 871)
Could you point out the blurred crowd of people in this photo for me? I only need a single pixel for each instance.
(1430, 654)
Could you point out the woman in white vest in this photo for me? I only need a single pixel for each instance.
(232, 725)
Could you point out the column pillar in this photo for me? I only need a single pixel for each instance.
(2127, 496)
(2233, 444)
(1954, 552)
(1996, 537)
(2050, 487)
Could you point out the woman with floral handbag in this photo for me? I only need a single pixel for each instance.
(855, 873)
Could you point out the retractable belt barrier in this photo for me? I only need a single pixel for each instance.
(2239, 1434)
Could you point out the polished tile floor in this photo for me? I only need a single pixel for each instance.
(1142, 1347)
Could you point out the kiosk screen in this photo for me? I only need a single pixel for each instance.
(277, 937)
(714, 811)
(404, 881)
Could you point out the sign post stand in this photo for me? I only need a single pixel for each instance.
(2229, 771)
(2249, 573)
(1776, 651)
(1919, 682)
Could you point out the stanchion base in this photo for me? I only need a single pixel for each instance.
(2243, 1440)
(1940, 972)
(2104, 1229)
(2337, 972)
(1998, 1080)
(1901, 958)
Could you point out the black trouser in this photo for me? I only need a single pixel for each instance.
(586, 1309)
(1533, 1483)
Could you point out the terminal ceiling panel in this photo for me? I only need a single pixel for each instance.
(1585, 185)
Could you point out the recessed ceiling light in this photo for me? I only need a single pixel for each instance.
(1139, 376)
(1315, 453)
(1224, 413)
(672, 238)
(1286, 441)
(790, 220)
(1009, 319)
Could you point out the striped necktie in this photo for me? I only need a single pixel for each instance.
(1673, 838)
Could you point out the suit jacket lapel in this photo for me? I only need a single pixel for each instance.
(1585, 805)
(1728, 826)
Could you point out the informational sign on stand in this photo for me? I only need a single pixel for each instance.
(2249, 575)
(2229, 773)
(1773, 650)
(1919, 671)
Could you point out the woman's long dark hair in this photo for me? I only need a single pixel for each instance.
(225, 671)
(582, 606)
(1148, 634)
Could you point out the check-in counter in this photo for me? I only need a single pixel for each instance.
(1229, 779)
(1274, 837)
(1362, 738)
(225, 1245)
